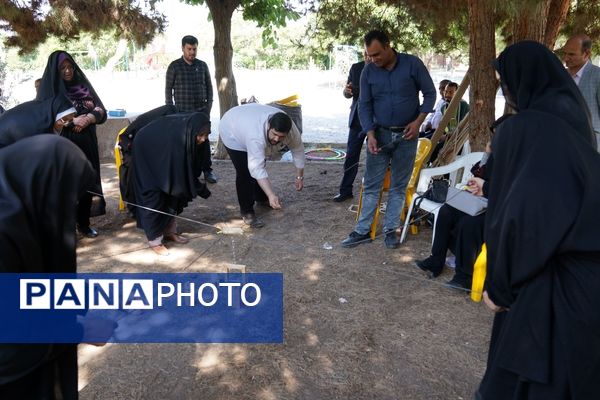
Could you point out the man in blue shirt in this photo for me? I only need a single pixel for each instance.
(390, 113)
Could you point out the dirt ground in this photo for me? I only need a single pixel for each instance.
(360, 323)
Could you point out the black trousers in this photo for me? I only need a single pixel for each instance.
(206, 160)
(58, 374)
(248, 190)
(356, 138)
(462, 234)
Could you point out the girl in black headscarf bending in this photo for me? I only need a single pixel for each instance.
(41, 178)
(63, 75)
(126, 146)
(166, 162)
(543, 278)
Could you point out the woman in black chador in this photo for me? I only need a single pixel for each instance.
(543, 278)
(126, 144)
(166, 162)
(41, 178)
(34, 117)
(63, 75)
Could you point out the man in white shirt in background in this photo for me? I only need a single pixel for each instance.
(248, 132)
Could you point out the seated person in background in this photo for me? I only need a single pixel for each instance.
(165, 160)
(432, 121)
(459, 232)
(461, 112)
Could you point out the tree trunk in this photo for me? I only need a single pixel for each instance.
(119, 53)
(221, 12)
(482, 50)
(557, 16)
(530, 21)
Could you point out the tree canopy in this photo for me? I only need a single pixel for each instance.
(31, 24)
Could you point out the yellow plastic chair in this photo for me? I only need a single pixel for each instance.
(118, 162)
(423, 148)
(479, 272)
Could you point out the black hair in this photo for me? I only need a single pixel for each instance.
(444, 83)
(452, 84)
(586, 44)
(189, 39)
(378, 35)
(281, 122)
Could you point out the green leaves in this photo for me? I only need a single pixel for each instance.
(67, 19)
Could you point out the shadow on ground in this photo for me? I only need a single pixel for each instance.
(359, 323)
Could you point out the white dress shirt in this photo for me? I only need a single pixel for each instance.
(244, 128)
(577, 76)
(434, 117)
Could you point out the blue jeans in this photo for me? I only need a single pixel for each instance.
(401, 159)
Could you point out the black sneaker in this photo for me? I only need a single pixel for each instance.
(252, 221)
(210, 177)
(391, 240)
(338, 198)
(88, 231)
(431, 271)
(355, 238)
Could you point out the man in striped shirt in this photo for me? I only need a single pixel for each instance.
(188, 83)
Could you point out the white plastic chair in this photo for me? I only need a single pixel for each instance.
(460, 173)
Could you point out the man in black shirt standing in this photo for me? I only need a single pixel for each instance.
(188, 83)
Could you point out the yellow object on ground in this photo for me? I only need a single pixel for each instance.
(423, 149)
(288, 100)
(479, 272)
(118, 162)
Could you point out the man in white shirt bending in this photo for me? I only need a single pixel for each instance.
(248, 132)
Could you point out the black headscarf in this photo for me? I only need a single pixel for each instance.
(31, 118)
(52, 83)
(542, 231)
(41, 178)
(126, 139)
(165, 160)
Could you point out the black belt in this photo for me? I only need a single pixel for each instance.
(395, 129)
